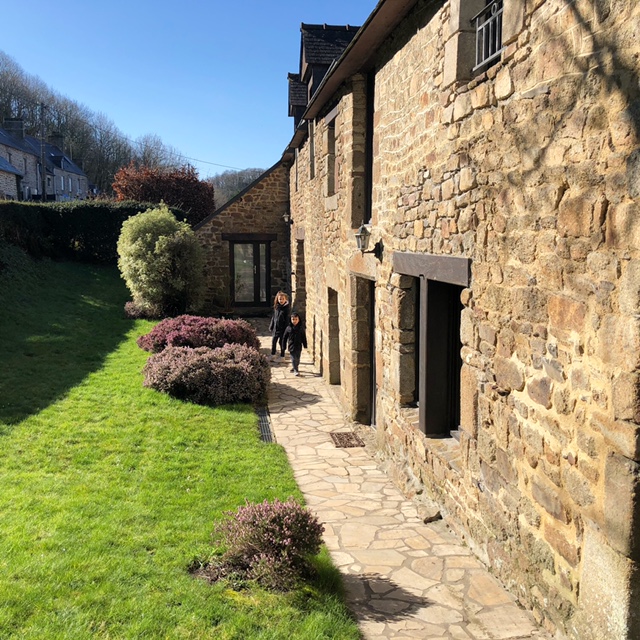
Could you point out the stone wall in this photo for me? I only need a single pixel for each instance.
(531, 170)
(257, 211)
(8, 186)
(27, 164)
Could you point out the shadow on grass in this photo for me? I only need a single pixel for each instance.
(57, 325)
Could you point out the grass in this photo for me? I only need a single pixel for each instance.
(109, 491)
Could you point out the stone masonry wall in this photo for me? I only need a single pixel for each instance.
(24, 162)
(8, 185)
(258, 211)
(531, 170)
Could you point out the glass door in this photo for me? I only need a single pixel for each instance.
(250, 273)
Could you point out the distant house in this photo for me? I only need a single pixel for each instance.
(64, 179)
(20, 175)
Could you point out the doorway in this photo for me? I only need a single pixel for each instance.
(250, 273)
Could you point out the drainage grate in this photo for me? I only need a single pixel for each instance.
(345, 439)
(264, 422)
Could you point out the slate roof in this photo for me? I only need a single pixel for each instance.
(323, 43)
(9, 168)
(8, 140)
(297, 91)
(54, 156)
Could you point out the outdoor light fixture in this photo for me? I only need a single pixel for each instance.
(287, 218)
(363, 235)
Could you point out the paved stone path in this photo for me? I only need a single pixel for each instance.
(404, 579)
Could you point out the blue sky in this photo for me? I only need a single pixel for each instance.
(207, 76)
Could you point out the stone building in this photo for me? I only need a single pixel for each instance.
(490, 331)
(63, 179)
(247, 240)
(23, 163)
(246, 244)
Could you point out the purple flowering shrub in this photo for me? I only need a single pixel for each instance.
(198, 331)
(229, 374)
(270, 542)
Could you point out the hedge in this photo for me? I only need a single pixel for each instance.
(82, 230)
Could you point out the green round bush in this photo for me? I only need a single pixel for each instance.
(225, 375)
(161, 261)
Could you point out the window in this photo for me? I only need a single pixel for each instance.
(488, 26)
(312, 152)
(433, 362)
(331, 158)
(249, 268)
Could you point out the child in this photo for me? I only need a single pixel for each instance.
(295, 338)
(279, 322)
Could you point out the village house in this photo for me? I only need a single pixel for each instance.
(22, 178)
(19, 169)
(463, 182)
(461, 202)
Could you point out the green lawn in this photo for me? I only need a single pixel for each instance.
(108, 491)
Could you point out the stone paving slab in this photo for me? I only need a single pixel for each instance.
(404, 579)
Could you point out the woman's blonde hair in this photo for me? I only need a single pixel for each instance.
(275, 300)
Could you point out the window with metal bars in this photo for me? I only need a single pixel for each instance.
(488, 27)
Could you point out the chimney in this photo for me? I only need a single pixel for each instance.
(57, 140)
(15, 126)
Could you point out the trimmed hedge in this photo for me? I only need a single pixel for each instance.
(82, 230)
(197, 331)
(227, 375)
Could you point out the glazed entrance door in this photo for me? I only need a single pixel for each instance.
(250, 273)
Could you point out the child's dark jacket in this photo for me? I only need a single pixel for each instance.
(279, 319)
(295, 338)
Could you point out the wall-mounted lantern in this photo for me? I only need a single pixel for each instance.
(287, 218)
(363, 236)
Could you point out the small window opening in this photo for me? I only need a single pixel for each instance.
(488, 26)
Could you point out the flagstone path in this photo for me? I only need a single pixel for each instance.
(404, 579)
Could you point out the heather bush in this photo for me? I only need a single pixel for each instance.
(225, 375)
(196, 331)
(161, 261)
(270, 542)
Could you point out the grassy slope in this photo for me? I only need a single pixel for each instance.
(108, 490)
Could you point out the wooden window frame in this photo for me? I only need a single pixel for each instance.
(441, 269)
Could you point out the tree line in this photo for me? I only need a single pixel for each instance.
(91, 139)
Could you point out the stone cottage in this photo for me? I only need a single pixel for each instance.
(22, 155)
(464, 187)
(247, 240)
(246, 246)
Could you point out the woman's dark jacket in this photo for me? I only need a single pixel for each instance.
(295, 338)
(279, 319)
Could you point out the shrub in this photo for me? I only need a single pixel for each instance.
(179, 186)
(161, 261)
(270, 542)
(82, 230)
(196, 331)
(229, 374)
(133, 311)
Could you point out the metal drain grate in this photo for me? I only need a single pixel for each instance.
(346, 439)
(264, 423)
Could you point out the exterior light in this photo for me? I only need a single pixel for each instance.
(362, 238)
(287, 218)
(363, 235)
